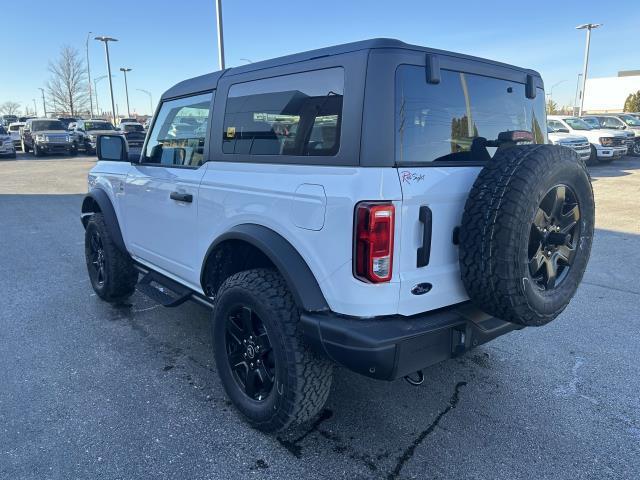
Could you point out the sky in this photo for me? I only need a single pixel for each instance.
(165, 41)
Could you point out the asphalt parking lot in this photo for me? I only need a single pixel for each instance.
(88, 390)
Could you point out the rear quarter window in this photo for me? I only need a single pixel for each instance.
(297, 114)
(446, 122)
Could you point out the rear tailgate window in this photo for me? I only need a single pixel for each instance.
(439, 122)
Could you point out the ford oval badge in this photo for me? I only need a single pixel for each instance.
(421, 288)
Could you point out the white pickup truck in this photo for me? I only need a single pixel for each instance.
(578, 143)
(605, 144)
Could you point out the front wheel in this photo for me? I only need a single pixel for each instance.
(111, 271)
(268, 372)
(635, 150)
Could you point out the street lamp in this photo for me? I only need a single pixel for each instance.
(106, 41)
(44, 105)
(126, 88)
(35, 108)
(220, 36)
(89, 75)
(150, 99)
(588, 27)
(575, 99)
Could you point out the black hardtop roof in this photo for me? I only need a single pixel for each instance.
(210, 80)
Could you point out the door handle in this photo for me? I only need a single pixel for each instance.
(424, 252)
(181, 197)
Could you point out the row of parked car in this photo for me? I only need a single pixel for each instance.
(597, 138)
(65, 135)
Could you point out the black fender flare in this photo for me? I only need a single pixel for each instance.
(99, 197)
(300, 279)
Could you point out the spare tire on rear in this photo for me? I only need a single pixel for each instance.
(526, 233)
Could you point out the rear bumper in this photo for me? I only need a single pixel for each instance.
(387, 348)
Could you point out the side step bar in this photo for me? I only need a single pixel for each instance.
(166, 291)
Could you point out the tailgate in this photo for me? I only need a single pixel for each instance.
(427, 253)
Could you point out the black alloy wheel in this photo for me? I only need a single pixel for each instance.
(554, 236)
(636, 148)
(97, 258)
(249, 353)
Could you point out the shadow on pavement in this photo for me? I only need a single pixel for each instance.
(621, 167)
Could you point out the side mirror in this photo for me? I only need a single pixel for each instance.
(563, 130)
(112, 148)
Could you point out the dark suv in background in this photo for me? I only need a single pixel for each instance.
(134, 133)
(45, 135)
(86, 132)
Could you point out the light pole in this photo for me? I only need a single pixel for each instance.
(89, 75)
(35, 108)
(575, 100)
(220, 35)
(44, 105)
(588, 27)
(150, 99)
(126, 88)
(106, 41)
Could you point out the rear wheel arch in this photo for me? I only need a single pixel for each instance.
(249, 246)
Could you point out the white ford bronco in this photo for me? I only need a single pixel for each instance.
(377, 205)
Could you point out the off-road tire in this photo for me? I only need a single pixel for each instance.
(120, 275)
(302, 377)
(497, 224)
(635, 149)
(36, 151)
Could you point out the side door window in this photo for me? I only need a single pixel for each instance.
(610, 122)
(555, 125)
(179, 132)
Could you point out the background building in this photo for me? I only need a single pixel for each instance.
(607, 94)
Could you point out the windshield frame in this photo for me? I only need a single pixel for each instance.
(51, 125)
(635, 122)
(89, 126)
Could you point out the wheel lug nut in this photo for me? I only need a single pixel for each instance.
(258, 362)
(244, 341)
(245, 355)
(251, 365)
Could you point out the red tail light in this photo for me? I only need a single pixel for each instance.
(373, 259)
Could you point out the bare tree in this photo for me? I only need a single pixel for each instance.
(10, 108)
(67, 87)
